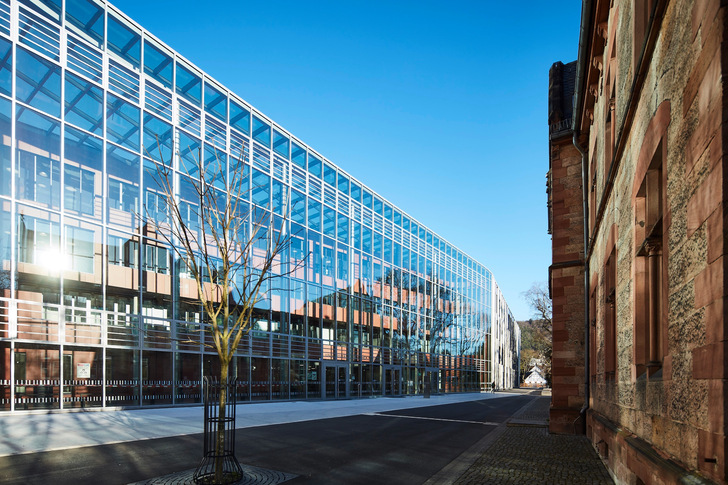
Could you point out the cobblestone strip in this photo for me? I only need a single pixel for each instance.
(532, 455)
(253, 475)
(460, 465)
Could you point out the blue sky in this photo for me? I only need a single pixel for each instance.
(440, 107)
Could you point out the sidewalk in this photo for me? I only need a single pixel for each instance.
(523, 451)
(37, 432)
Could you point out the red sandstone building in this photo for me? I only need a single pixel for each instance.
(637, 212)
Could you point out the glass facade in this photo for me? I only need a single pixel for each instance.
(95, 308)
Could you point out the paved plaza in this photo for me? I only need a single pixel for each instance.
(513, 445)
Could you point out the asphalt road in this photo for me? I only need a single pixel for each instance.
(403, 447)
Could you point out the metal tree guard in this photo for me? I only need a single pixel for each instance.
(214, 421)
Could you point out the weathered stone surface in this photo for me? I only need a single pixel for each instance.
(676, 119)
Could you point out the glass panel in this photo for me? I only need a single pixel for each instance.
(280, 143)
(39, 253)
(38, 158)
(38, 82)
(188, 381)
(314, 215)
(329, 222)
(216, 102)
(158, 64)
(6, 67)
(156, 378)
(366, 199)
(355, 191)
(86, 18)
(298, 155)
(84, 104)
(83, 168)
(124, 40)
(51, 8)
(122, 122)
(82, 243)
(37, 374)
(239, 117)
(298, 207)
(261, 131)
(377, 207)
(215, 163)
(5, 150)
(343, 183)
(123, 169)
(329, 175)
(189, 85)
(189, 154)
(342, 233)
(261, 188)
(279, 197)
(314, 165)
(157, 139)
(122, 377)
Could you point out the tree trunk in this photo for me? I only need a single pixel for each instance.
(220, 442)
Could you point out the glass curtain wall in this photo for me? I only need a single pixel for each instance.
(96, 309)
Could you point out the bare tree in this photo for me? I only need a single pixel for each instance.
(230, 253)
(536, 333)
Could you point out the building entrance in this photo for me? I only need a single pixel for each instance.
(335, 381)
(392, 381)
(432, 378)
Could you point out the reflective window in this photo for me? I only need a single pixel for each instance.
(377, 206)
(314, 165)
(366, 240)
(298, 155)
(38, 158)
(154, 204)
(39, 240)
(122, 122)
(124, 40)
(216, 102)
(189, 85)
(314, 214)
(80, 249)
(298, 207)
(51, 8)
(84, 104)
(6, 67)
(329, 175)
(343, 183)
(261, 131)
(329, 222)
(158, 139)
(86, 17)
(261, 188)
(388, 212)
(189, 154)
(123, 170)
(355, 191)
(356, 234)
(342, 233)
(279, 197)
(280, 143)
(398, 218)
(239, 117)
(38, 82)
(82, 170)
(5, 150)
(158, 64)
(366, 198)
(215, 163)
